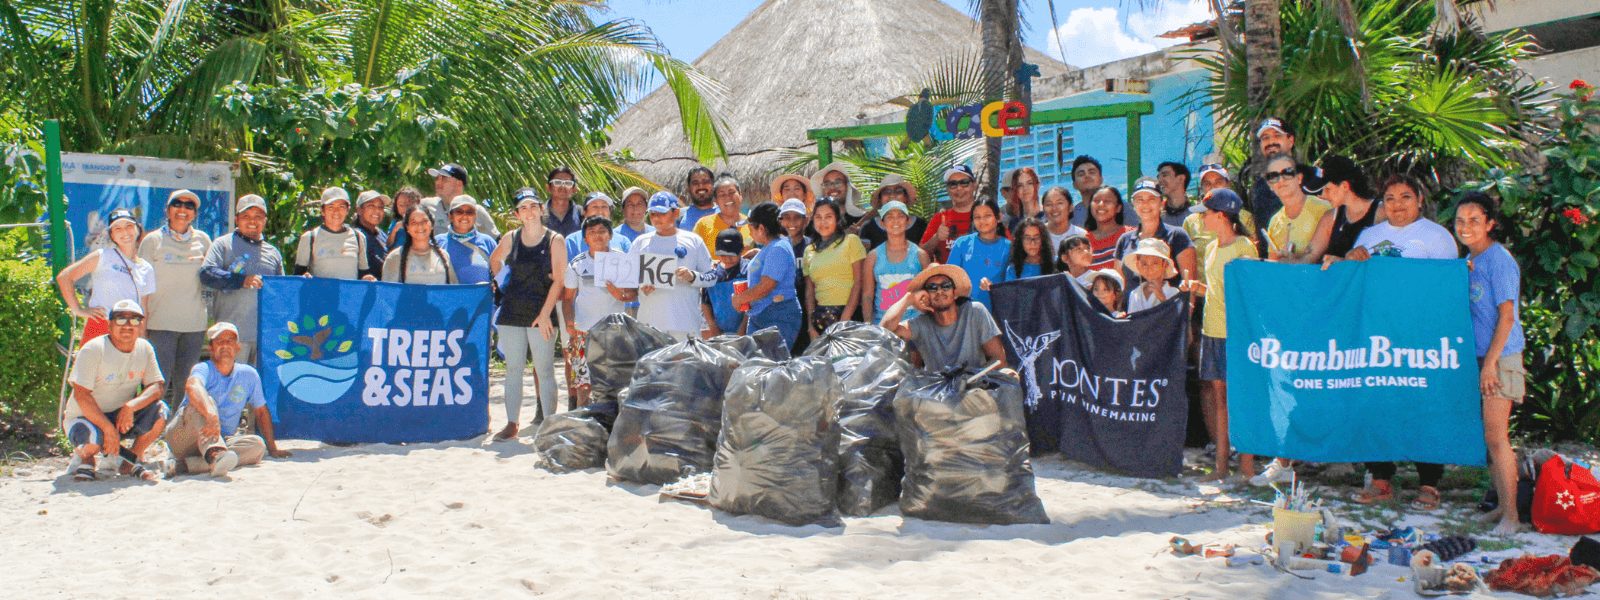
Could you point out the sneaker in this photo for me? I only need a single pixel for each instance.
(1275, 472)
(225, 462)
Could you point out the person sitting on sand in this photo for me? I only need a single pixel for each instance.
(953, 332)
(205, 436)
(116, 391)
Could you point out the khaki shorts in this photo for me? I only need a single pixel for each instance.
(1513, 378)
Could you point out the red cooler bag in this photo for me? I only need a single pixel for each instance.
(1566, 498)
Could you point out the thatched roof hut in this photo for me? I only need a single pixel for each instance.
(794, 65)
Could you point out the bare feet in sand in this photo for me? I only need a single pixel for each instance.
(1214, 476)
(509, 432)
(1507, 527)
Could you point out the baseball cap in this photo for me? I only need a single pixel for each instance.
(371, 195)
(1144, 185)
(792, 205)
(663, 202)
(598, 197)
(127, 305)
(120, 215)
(1274, 123)
(450, 170)
(729, 243)
(220, 328)
(958, 169)
(1340, 169)
(526, 195)
(334, 194)
(463, 200)
(177, 195)
(1224, 200)
(249, 201)
(1209, 168)
(894, 205)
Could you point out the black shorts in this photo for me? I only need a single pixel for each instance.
(83, 431)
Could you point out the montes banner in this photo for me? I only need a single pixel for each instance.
(357, 361)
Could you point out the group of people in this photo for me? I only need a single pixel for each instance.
(811, 254)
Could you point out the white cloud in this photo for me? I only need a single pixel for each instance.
(1094, 36)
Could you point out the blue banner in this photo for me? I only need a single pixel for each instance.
(356, 361)
(1370, 361)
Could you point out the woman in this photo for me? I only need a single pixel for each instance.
(1289, 232)
(1494, 283)
(1024, 183)
(771, 273)
(1149, 204)
(789, 186)
(177, 321)
(1222, 220)
(796, 224)
(404, 200)
(537, 259)
(893, 264)
(115, 273)
(1105, 226)
(633, 211)
(982, 253)
(1406, 235)
(420, 260)
(1028, 257)
(832, 267)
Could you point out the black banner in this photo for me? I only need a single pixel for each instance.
(1104, 391)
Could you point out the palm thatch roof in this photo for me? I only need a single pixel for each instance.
(793, 65)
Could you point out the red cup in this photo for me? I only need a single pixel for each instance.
(738, 288)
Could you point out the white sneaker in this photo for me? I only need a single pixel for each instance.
(225, 462)
(1275, 472)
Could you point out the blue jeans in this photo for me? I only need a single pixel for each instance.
(783, 315)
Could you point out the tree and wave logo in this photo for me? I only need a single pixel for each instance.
(319, 364)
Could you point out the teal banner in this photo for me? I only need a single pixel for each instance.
(1366, 361)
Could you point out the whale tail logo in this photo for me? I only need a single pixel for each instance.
(1028, 351)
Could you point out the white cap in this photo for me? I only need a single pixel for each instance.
(249, 201)
(463, 200)
(127, 305)
(371, 195)
(334, 194)
(220, 328)
(792, 205)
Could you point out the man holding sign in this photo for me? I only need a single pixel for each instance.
(672, 265)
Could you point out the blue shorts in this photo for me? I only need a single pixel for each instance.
(83, 431)
(1213, 358)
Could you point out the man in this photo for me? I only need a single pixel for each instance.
(717, 301)
(699, 189)
(449, 181)
(559, 215)
(833, 182)
(1275, 136)
(596, 204)
(633, 215)
(116, 392)
(177, 323)
(234, 267)
(894, 188)
(674, 310)
(1086, 178)
(728, 199)
(204, 436)
(331, 249)
(1173, 180)
(952, 332)
(953, 222)
(467, 248)
(369, 221)
(585, 300)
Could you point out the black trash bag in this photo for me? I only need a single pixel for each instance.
(667, 425)
(575, 439)
(966, 450)
(613, 348)
(870, 462)
(777, 455)
(853, 338)
(767, 343)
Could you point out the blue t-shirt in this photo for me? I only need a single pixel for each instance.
(1494, 280)
(231, 392)
(775, 261)
(692, 215)
(981, 259)
(720, 296)
(1028, 270)
(471, 259)
(577, 245)
(628, 233)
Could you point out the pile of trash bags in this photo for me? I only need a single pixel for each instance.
(966, 450)
(776, 454)
(613, 348)
(576, 439)
(870, 462)
(667, 425)
(766, 343)
(853, 338)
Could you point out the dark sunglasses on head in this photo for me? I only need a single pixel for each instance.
(939, 287)
(184, 204)
(1276, 175)
(955, 183)
(127, 320)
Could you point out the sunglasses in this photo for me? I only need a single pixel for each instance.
(125, 321)
(955, 183)
(835, 183)
(939, 287)
(1274, 176)
(184, 204)
(563, 183)
(894, 191)
(464, 211)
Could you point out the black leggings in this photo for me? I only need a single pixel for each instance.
(1428, 473)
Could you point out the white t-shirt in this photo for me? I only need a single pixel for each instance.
(676, 309)
(117, 278)
(112, 376)
(1419, 239)
(339, 255)
(1139, 300)
(420, 268)
(594, 302)
(1055, 240)
(181, 305)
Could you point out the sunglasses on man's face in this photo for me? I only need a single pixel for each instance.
(894, 191)
(938, 287)
(563, 183)
(127, 320)
(1274, 176)
(184, 204)
(955, 183)
(464, 211)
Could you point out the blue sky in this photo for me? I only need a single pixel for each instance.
(1092, 31)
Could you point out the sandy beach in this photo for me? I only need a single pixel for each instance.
(479, 518)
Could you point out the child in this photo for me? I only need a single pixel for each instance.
(1151, 260)
(716, 302)
(586, 301)
(1075, 256)
(1027, 251)
(1106, 285)
(1221, 218)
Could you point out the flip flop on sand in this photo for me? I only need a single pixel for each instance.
(1379, 491)
(1427, 499)
(83, 473)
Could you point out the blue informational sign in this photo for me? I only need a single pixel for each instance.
(1368, 361)
(96, 184)
(357, 361)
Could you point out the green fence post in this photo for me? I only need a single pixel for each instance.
(1134, 157)
(60, 248)
(824, 152)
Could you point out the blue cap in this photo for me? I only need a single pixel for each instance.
(959, 170)
(663, 202)
(1224, 200)
(894, 205)
(1144, 185)
(121, 214)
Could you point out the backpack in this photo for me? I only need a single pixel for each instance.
(1566, 498)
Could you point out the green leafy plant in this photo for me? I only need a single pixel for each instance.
(30, 368)
(921, 165)
(313, 339)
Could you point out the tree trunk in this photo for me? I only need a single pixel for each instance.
(1002, 55)
(1263, 50)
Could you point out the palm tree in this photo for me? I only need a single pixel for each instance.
(1000, 25)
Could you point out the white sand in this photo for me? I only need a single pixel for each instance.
(478, 518)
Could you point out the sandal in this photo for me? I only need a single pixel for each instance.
(84, 473)
(1427, 499)
(1379, 491)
